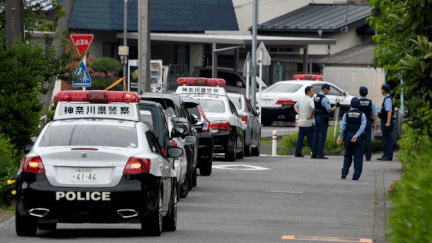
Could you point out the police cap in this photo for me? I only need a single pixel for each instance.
(386, 88)
(325, 86)
(363, 91)
(355, 103)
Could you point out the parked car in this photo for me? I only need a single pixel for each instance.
(235, 82)
(206, 141)
(251, 119)
(279, 99)
(174, 106)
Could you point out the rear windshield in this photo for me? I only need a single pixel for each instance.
(90, 135)
(148, 119)
(236, 101)
(167, 104)
(194, 111)
(283, 88)
(212, 106)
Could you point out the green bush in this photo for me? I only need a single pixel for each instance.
(408, 145)
(106, 64)
(411, 218)
(10, 160)
(289, 142)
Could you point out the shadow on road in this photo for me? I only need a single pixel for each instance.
(91, 233)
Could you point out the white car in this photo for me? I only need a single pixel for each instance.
(278, 100)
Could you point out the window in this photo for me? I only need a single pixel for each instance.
(284, 88)
(317, 88)
(90, 135)
(153, 143)
(212, 106)
(230, 78)
(335, 91)
(148, 119)
(236, 100)
(233, 109)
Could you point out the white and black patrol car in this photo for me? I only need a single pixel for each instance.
(279, 99)
(97, 162)
(227, 126)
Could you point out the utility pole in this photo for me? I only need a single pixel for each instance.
(254, 51)
(61, 34)
(144, 46)
(14, 22)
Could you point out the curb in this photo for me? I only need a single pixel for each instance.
(7, 222)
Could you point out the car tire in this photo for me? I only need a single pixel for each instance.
(194, 177)
(170, 220)
(50, 226)
(184, 188)
(241, 154)
(248, 150)
(24, 225)
(231, 156)
(178, 192)
(152, 225)
(256, 151)
(206, 168)
(267, 123)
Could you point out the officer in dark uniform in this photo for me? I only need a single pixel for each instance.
(367, 106)
(387, 122)
(352, 128)
(322, 111)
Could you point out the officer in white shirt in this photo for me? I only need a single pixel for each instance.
(305, 108)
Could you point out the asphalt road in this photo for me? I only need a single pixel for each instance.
(269, 199)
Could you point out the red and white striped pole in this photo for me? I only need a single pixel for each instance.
(274, 143)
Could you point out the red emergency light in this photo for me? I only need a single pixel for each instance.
(97, 96)
(201, 81)
(308, 77)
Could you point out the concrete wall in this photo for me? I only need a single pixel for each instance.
(267, 10)
(351, 78)
(345, 41)
(196, 57)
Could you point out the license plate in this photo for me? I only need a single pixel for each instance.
(84, 175)
(267, 102)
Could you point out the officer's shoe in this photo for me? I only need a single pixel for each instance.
(381, 158)
(368, 159)
(321, 157)
(313, 156)
(354, 179)
(386, 159)
(300, 155)
(343, 176)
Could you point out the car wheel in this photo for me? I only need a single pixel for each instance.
(50, 226)
(256, 151)
(194, 177)
(231, 156)
(152, 225)
(267, 123)
(206, 168)
(170, 220)
(184, 188)
(24, 225)
(241, 154)
(178, 191)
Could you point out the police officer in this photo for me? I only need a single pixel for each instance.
(367, 106)
(322, 111)
(352, 127)
(387, 123)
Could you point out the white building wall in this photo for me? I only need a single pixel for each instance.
(351, 78)
(345, 41)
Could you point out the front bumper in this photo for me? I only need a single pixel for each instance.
(284, 113)
(137, 193)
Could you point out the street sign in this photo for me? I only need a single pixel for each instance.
(245, 67)
(82, 42)
(123, 50)
(82, 77)
(266, 59)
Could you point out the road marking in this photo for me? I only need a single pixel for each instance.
(321, 238)
(239, 167)
(290, 192)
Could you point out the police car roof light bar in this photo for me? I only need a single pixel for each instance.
(201, 81)
(97, 96)
(308, 77)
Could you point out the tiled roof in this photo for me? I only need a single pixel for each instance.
(357, 55)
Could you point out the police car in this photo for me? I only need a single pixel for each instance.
(227, 126)
(97, 162)
(279, 99)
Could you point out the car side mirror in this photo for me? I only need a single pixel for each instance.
(194, 119)
(344, 93)
(33, 139)
(177, 132)
(174, 152)
(239, 84)
(28, 148)
(190, 140)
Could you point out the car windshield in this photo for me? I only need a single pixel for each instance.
(90, 135)
(236, 100)
(212, 106)
(284, 88)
